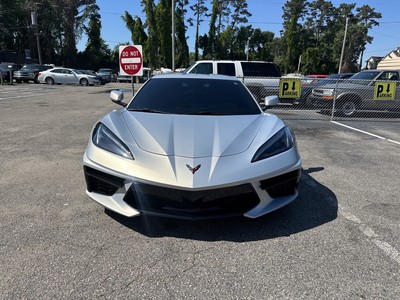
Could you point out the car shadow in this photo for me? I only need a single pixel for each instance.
(315, 206)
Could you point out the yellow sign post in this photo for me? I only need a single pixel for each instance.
(290, 88)
(385, 90)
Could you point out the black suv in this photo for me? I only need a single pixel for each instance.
(30, 72)
(5, 69)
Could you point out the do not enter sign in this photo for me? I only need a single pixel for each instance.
(130, 60)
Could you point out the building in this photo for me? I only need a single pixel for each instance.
(372, 62)
(390, 61)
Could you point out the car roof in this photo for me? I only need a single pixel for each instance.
(380, 70)
(195, 76)
(227, 60)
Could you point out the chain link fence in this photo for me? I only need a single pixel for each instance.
(330, 98)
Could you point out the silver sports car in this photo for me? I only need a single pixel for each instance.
(192, 147)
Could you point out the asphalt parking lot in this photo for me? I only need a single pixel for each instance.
(339, 240)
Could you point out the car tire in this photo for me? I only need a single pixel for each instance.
(84, 82)
(18, 80)
(49, 80)
(348, 108)
(35, 79)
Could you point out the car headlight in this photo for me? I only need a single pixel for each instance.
(105, 139)
(280, 142)
(327, 93)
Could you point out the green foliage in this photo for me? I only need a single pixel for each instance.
(312, 30)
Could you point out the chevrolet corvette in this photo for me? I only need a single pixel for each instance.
(192, 146)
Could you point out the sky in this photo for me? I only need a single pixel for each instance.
(266, 15)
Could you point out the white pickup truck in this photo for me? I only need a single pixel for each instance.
(260, 77)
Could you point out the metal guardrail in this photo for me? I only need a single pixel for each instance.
(332, 99)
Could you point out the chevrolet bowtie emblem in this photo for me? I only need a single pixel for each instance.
(193, 170)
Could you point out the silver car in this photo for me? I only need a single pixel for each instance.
(192, 147)
(67, 76)
(357, 93)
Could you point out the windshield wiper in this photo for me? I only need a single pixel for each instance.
(209, 113)
(149, 110)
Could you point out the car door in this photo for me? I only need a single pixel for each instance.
(70, 77)
(57, 75)
(226, 68)
(202, 68)
(389, 75)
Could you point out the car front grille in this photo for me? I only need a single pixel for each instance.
(102, 183)
(184, 204)
(282, 185)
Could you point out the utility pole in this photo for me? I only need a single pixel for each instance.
(344, 42)
(173, 35)
(248, 48)
(36, 29)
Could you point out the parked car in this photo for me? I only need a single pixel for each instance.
(260, 77)
(29, 72)
(355, 93)
(192, 146)
(67, 76)
(124, 78)
(309, 82)
(107, 74)
(7, 71)
(93, 73)
(141, 79)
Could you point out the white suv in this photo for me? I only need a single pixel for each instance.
(260, 77)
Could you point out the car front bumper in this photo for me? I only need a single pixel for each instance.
(320, 102)
(250, 197)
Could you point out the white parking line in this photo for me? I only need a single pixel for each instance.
(388, 249)
(370, 233)
(366, 132)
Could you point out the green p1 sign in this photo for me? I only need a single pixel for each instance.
(385, 90)
(290, 88)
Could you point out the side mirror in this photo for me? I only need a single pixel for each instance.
(117, 97)
(271, 101)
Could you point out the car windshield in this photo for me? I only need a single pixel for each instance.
(363, 78)
(30, 67)
(194, 96)
(365, 75)
(105, 71)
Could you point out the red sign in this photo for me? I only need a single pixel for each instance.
(130, 60)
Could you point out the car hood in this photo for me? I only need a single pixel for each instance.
(194, 136)
(346, 85)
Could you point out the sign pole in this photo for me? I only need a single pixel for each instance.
(133, 86)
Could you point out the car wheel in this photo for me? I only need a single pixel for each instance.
(84, 82)
(18, 80)
(348, 108)
(35, 80)
(49, 81)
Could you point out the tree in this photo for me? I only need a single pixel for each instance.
(138, 34)
(163, 25)
(96, 48)
(182, 49)
(240, 12)
(367, 17)
(209, 51)
(261, 45)
(293, 12)
(153, 43)
(319, 20)
(200, 10)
